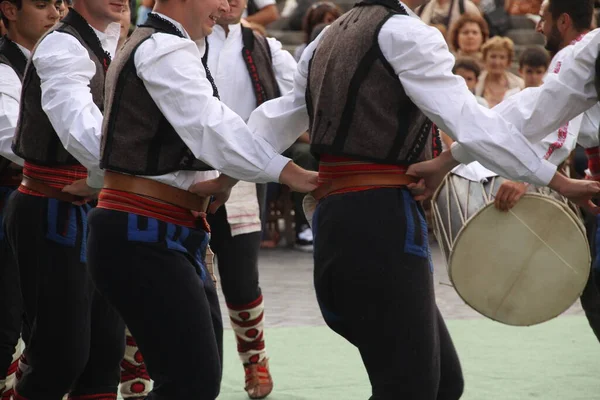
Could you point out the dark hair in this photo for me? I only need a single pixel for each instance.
(580, 11)
(18, 3)
(316, 14)
(534, 56)
(468, 63)
(462, 21)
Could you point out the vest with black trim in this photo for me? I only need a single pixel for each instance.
(357, 105)
(137, 138)
(36, 140)
(259, 62)
(12, 56)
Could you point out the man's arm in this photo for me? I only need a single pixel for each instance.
(536, 111)
(65, 72)
(420, 57)
(10, 93)
(268, 13)
(172, 72)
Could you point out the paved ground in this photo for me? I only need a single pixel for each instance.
(287, 285)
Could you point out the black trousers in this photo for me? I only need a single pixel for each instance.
(11, 305)
(237, 258)
(374, 284)
(77, 340)
(590, 298)
(300, 154)
(154, 274)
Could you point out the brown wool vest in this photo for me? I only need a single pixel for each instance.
(35, 138)
(258, 59)
(356, 103)
(137, 139)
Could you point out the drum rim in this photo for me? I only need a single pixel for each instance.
(570, 213)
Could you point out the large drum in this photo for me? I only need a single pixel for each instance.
(520, 267)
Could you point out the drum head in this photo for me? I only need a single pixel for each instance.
(521, 267)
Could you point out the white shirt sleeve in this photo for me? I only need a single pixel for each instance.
(281, 121)
(172, 72)
(263, 3)
(563, 96)
(284, 65)
(590, 129)
(10, 94)
(419, 56)
(65, 70)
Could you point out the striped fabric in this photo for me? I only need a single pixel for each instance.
(332, 167)
(133, 203)
(56, 177)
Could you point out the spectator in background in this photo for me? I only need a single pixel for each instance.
(496, 80)
(467, 36)
(144, 9)
(469, 69)
(533, 65)
(445, 12)
(318, 13)
(261, 12)
(521, 7)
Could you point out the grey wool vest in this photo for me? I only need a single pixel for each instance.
(356, 103)
(137, 138)
(35, 139)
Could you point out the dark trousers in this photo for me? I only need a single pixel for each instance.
(154, 274)
(11, 305)
(590, 298)
(374, 284)
(237, 259)
(300, 154)
(77, 340)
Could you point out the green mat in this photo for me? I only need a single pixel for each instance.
(556, 360)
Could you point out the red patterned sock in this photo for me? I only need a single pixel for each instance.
(247, 322)
(135, 381)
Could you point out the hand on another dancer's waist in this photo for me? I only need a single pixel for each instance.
(81, 189)
(219, 188)
(298, 179)
(432, 173)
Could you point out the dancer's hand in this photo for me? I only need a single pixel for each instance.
(509, 194)
(580, 192)
(432, 173)
(219, 188)
(298, 179)
(81, 189)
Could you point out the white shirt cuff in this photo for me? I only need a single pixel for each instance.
(460, 154)
(274, 168)
(545, 173)
(95, 179)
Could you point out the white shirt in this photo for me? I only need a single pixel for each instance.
(232, 78)
(172, 71)
(563, 96)
(420, 57)
(231, 75)
(66, 70)
(10, 96)
(260, 4)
